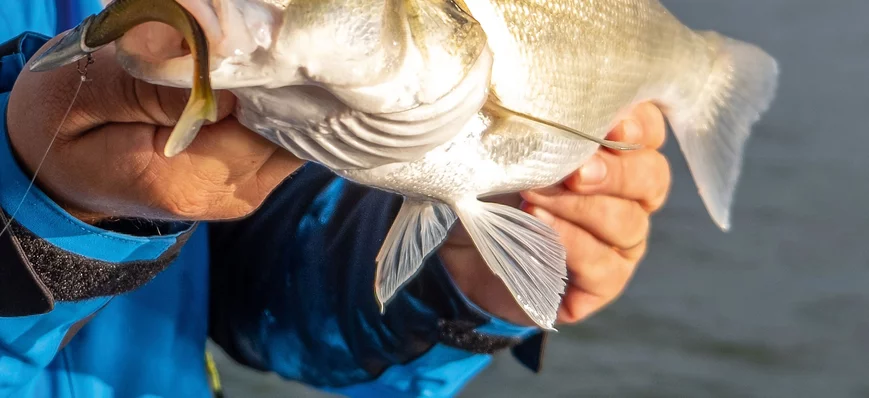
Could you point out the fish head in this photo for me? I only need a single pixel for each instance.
(404, 74)
(412, 51)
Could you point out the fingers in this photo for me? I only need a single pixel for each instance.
(602, 213)
(162, 105)
(592, 261)
(642, 175)
(276, 169)
(109, 95)
(108, 160)
(226, 172)
(645, 125)
(578, 305)
(601, 217)
(621, 223)
(597, 273)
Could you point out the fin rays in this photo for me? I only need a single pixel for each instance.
(524, 252)
(419, 228)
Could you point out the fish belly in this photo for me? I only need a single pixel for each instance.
(456, 169)
(489, 157)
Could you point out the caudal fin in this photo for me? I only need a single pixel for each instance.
(523, 251)
(419, 228)
(712, 131)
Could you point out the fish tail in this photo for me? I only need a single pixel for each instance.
(521, 250)
(713, 127)
(419, 228)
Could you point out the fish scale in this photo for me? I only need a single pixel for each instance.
(447, 102)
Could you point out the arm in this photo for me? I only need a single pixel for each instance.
(292, 293)
(56, 271)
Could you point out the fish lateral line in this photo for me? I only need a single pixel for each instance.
(494, 105)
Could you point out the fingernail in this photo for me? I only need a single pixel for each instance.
(592, 172)
(632, 130)
(543, 215)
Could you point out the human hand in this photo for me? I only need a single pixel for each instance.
(602, 214)
(107, 160)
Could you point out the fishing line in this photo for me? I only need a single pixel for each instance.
(82, 71)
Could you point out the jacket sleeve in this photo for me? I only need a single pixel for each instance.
(55, 271)
(292, 292)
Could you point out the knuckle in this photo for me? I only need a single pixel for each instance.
(654, 123)
(634, 255)
(573, 316)
(660, 183)
(616, 172)
(638, 226)
(170, 102)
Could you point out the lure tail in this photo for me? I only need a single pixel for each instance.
(712, 129)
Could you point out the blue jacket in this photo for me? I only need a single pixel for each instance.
(124, 310)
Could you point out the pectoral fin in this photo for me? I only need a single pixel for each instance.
(419, 228)
(494, 106)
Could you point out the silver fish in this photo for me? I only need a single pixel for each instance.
(450, 102)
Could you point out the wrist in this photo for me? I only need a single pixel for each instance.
(24, 154)
(76, 210)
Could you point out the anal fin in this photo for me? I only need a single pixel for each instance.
(419, 228)
(523, 251)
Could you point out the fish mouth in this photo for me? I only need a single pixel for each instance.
(236, 31)
(157, 53)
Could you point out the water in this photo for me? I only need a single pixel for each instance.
(779, 307)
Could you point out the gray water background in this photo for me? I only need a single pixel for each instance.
(778, 307)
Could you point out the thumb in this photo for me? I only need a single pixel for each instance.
(163, 106)
(119, 97)
(110, 95)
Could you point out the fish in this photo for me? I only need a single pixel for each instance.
(448, 103)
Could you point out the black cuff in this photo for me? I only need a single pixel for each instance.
(34, 274)
(460, 328)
